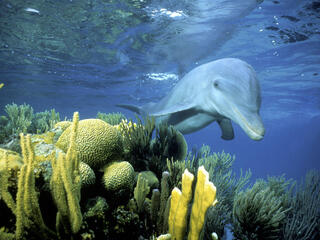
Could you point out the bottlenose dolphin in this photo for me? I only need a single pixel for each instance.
(222, 90)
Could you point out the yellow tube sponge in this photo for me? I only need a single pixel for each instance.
(179, 207)
(66, 184)
(204, 197)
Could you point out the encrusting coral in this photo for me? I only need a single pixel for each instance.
(97, 142)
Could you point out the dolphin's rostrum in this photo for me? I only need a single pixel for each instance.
(222, 90)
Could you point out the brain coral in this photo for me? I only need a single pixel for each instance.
(118, 176)
(86, 174)
(97, 142)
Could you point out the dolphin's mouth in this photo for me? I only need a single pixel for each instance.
(254, 132)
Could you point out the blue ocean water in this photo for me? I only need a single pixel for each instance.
(90, 56)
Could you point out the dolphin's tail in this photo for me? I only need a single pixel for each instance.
(132, 108)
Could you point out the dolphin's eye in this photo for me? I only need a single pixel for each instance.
(216, 84)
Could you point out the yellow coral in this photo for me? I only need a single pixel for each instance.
(86, 174)
(118, 175)
(204, 197)
(63, 125)
(14, 159)
(97, 142)
(179, 207)
(65, 184)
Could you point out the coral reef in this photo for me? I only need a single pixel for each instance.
(48, 193)
(97, 142)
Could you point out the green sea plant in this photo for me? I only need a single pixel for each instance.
(137, 139)
(147, 153)
(111, 118)
(140, 193)
(303, 218)
(21, 119)
(169, 143)
(258, 213)
(164, 206)
(44, 121)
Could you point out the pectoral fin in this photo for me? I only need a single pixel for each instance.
(226, 129)
(173, 109)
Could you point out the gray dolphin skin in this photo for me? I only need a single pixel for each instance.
(222, 90)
